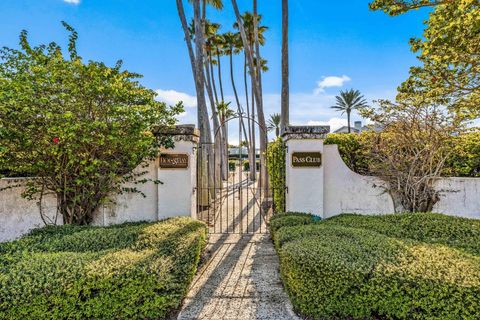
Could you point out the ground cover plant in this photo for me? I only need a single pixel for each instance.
(403, 266)
(129, 271)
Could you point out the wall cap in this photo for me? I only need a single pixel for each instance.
(182, 132)
(305, 132)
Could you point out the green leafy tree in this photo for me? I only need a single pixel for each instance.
(449, 51)
(79, 128)
(348, 101)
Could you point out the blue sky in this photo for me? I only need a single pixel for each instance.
(334, 45)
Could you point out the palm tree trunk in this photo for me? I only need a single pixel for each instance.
(251, 124)
(218, 136)
(253, 154)
(246, 96)
(212, 76)
(348, 120)
(285, 107)
(261, 115)
(219, 69)
(239, 107)
(202, 113)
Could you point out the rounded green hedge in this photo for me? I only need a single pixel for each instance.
(289, 219)
(456, 232)
(333, 271)
(132, 271)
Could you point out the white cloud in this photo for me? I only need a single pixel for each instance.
(334, 123)
(330, 81)
(173, 97)
(75, 2)
(306, 108)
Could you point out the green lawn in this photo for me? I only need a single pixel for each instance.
(130, 271)
(405, 266)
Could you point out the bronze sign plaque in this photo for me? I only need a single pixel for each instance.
(306, 159)
(173, 161)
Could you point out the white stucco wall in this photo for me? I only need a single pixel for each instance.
(344, 191)
(132, 207)
(459, 197)
(176, 195)
(17, 215)
(349, 192)
(305, 186)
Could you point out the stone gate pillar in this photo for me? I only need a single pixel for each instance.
(177, 170)
(304, 168)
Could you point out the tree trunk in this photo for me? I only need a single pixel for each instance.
(348, 120)
(218, 136)
(251, 124)
(219, 69)
(202, 113)
(212, 77)
(285, 107)
(263, 183)
(239, 107)
(253, 154)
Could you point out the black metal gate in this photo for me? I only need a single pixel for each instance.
(233, 192)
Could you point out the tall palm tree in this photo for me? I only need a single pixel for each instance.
(274, 123)
(252, 37)
(348, 101)
(285, 112)
(231, 46)
(196, 60)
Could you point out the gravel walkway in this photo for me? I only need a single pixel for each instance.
(240, 281)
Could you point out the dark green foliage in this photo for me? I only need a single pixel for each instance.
(246, 165)
(354, 149)
(131, 271)
(464, 160)
(276, 170)
(356, 152)
(232, 165)
(382, 267)
(455, 232)
(289, 219)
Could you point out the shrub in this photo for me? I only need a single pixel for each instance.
(355, 149)
(464, 160)
(79, 126)
(331, 271)
(276, 170)
(356, 152)
(456, 232)
(232, 165)
(132, 271)
(246, 165)
(289, 219)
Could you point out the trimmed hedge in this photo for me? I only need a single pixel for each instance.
(289, 219)
(335, 269)
(131, 271)
(455, 232)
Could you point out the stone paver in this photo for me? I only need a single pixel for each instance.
(240, 281)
